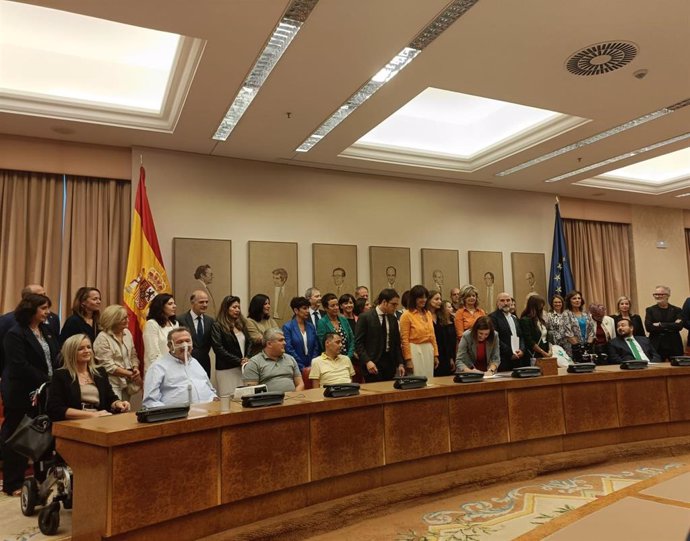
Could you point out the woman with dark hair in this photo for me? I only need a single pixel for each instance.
(160, 321)
(624, 311)
(85, 312)
(300, 334)
(259, 320)
(335, 323)
(533, 327)
(444, 330)
(479, 349)
(417, 337)
(230, 341)
(361, 305)
(31, 353)
(561, 325)
(80, 389)
(469, 312)
(346, 304)
(574, 303)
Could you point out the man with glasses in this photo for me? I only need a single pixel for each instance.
(664, 322)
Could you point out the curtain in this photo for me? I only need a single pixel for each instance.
(600, 259)
(96, 239)
(687, 249)
(30, 234)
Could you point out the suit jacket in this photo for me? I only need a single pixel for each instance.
(75, 324)
(294, 345)
(201, 345)
(686, 316)
(369, 339)
(619, 350)
(325, 326)
(467, 352)
(66, 393)
(25, 367)
(504, 337)
(7, 321)
(322, 315)
(227, 348)
(666, 338)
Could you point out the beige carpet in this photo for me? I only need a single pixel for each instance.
(504, 512)
(16, 527)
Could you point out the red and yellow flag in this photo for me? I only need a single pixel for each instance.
(146, 276)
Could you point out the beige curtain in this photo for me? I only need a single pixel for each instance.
(687, 250)
(96, 240)
(600, 259)
(30, 234)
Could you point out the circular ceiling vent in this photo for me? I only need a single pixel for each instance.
(601, 58)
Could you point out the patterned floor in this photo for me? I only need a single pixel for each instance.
(503, 512)
(16, 527)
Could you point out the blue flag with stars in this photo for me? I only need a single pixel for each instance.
(561, 280)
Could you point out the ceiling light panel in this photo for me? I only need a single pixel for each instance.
(620, 157)
(453, 11)
(598, 137)
(656, 171)
(76, 58)
(297, 13)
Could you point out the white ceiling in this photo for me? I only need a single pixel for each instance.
(511, 50)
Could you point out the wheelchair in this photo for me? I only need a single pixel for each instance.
(55, 487)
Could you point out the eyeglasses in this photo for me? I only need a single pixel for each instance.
(659, 294)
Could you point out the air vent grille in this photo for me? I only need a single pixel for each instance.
(601, 58)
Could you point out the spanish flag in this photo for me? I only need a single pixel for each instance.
(146, 276)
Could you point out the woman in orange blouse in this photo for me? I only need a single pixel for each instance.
(469, 312)
(417, 336)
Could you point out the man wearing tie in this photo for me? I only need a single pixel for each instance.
(626, 347)
(377, 339)
(512, 345)
(313, 295)
(199, 324)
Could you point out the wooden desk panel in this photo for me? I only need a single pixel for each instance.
(679, 398)
(181, 477)
(590, 406)
(478, 420)
(264, 457)
(535, 413)
(642, 401)
(346, 441)
(416, 429)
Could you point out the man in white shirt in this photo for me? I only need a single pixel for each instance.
(176, 377)
(331, 368)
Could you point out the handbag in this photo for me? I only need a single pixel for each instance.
(32, 438)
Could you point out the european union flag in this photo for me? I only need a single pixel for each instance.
(561, 281)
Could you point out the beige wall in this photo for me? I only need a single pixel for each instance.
(46, 156)
(204, 197)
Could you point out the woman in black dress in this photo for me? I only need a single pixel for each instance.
(444, 329)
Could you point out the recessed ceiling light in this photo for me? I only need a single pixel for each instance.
(297, 13)
(435, 28)
(598, 137)
(620, 157)
(659, 170)
(683, 195)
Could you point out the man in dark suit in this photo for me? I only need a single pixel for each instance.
(377, 339)
(7, 321)
(199, 325)
(626, 347)
(313, 295)
(664, 322)
(509, 335)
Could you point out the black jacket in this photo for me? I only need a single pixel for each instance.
(201, 345)
(65, 393)
(369, 343)
(504, 334)
(25, 364)
(619, 351)
(227, 347)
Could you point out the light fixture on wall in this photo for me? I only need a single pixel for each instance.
(283, 34)
(634, 123)
(434, 29)
(661, 244)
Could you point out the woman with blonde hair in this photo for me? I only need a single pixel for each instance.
(80, 389)
(469, 311)
(624, 311)
(114, 350)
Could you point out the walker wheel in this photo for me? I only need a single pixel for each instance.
(29, 497)
(49, 519)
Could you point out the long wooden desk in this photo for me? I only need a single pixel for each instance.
(216, 470)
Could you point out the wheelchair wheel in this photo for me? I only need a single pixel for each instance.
(29, 497)
(67, 503)
(49, 519)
